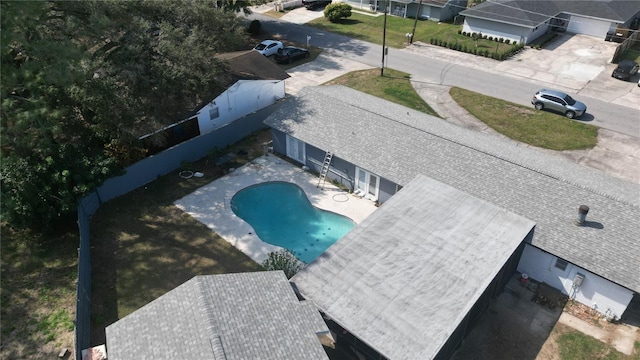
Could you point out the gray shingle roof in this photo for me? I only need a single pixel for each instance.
(222, 317)
(405, 278)
(532, 13)
(251, 65)
(398, 143)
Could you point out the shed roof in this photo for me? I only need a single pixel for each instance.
(398, 143)
(222, 317)
(531, 13)
(251, 65)
(404, 279)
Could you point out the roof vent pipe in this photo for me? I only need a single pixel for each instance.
(582, 214)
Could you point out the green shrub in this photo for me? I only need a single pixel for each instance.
(459, 31)
(336, 11)
(283, 260)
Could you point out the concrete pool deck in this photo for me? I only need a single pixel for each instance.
(210, 204)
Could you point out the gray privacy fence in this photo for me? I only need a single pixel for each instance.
(135, 176)
(626, 44)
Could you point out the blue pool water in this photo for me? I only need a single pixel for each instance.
(281, 215)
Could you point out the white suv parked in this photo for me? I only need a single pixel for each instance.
(558, 101)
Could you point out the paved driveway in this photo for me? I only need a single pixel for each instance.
(577, 63)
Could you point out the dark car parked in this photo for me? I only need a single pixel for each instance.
(312, 4)
(625, 70)
(290, 53)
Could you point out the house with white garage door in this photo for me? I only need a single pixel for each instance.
(525, 20)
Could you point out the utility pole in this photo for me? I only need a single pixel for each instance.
(413, 32)
(384, 38)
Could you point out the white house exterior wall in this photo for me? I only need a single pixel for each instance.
(596, 292)
(583, 25)
(500, 30)
(241, 99)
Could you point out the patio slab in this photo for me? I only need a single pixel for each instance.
(210, 204)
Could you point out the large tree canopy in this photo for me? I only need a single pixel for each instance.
(81, 80)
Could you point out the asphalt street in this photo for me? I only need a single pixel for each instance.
(481, 75)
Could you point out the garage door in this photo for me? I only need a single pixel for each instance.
(582, 25)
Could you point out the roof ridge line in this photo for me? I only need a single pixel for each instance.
(217, 347)
(556, 177)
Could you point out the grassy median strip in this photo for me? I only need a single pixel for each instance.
(537, 128)
(394, 86)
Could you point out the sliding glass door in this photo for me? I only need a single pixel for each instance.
(295, 149)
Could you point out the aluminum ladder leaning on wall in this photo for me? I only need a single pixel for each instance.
(325, 169)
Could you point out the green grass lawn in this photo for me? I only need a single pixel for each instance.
(38, 293)
(369, 28)
(574, 345)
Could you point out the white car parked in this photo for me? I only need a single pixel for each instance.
(268, 47)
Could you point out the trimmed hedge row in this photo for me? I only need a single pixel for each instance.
(475, 36)
(515, 48)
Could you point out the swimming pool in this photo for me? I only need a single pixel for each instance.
(282, 215)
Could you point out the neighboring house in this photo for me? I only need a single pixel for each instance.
(378, 147)
(435, 10)
(416, 275)
(256, 83)
(260, 84)
(525, 20)
(223, 317)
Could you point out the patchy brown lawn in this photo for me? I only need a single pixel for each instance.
(143, 246)
(38, 294)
